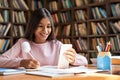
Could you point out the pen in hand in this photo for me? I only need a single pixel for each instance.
(26, 48)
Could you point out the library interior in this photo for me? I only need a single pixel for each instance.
(91, 26)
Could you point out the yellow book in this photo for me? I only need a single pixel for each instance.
(2, 41)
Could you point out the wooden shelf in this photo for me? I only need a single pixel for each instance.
(105, 5)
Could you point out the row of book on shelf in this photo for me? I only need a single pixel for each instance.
(18, 16)
(100, 12)
(17, 4)
(97, 28)
(35, 4)
(4, 29)
(18, 30)
(65, 16)
(53, 5)
(79, 15)
(97, 13)
(67, 30)
(4, 16)
(80, 44)
(115, 42)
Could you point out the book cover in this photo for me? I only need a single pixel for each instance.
(101, 28)
(113, 27)
(8, 71)
(7, 29)
(103, 12)
(94, 28)
(113, 10)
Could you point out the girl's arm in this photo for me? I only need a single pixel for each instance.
(12, 57)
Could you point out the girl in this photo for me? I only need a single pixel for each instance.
(45, 48)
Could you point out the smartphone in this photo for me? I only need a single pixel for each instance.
(63, 62)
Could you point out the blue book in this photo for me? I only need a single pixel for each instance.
(6, 44)
(9, 71)
(103, 12)
(113, 10)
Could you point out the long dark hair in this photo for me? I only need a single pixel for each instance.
(33, 22)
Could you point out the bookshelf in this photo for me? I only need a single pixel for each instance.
(84, 23)
(13, 17)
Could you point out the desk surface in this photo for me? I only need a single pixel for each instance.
(91, 76)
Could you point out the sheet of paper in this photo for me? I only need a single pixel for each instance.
(53, 71)
(49, 74)
(63, 62)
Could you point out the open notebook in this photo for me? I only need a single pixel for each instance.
(53, 71)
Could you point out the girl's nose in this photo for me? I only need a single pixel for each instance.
(45, 29)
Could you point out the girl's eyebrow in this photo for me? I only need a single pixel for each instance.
(49, 24)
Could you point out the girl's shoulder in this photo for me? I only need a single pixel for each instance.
(57, 42)
(21, 40)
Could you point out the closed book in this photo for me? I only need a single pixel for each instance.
(7, 29)
(103, 12)
(94, 28)
(117, 26)
(101, 28)
(8, 71)
(6, 44)
(78, 3)
(113, 27)
(113, 10)
(98, 13)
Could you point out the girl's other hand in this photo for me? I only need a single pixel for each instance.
(70, 55)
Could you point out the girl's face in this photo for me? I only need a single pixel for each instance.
(43, 30)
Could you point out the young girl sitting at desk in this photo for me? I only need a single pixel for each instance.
(45, 48)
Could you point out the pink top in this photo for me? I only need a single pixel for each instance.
(47, 53)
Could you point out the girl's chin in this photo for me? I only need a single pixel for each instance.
(44, 40)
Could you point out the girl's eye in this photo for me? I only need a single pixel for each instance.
(40, 26)
(49, 26)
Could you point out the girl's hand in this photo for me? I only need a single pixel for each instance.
(70, 55)
(29, 63)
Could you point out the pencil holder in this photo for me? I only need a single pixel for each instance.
(104, 61)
